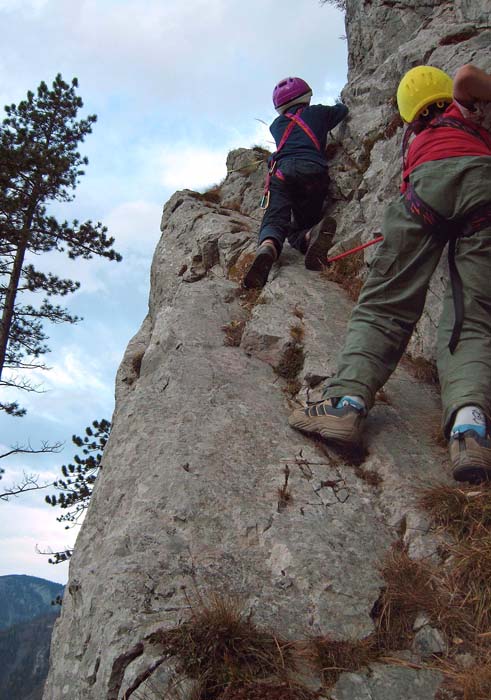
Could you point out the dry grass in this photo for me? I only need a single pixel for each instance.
(233, 333)
(421, 368)
(462, 511)
(230, 658)
(370, 476)
(212, 195)
(284, 494)
(335, 657)
(291, 362)
(346, 273)
(409, 589)
(292, 387)
(297, 332)
(221, 648)
(473, 683)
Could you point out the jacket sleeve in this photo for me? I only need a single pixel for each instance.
(336, 114)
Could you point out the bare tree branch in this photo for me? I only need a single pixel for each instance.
(29, 483)
(28, 449)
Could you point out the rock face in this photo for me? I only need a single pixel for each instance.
(205, 490)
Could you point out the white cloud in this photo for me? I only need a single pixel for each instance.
(23, 529)
(135, 226)
(185, 166)
(76, 378)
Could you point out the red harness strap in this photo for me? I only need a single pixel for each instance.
(435, 124)
(295, 120)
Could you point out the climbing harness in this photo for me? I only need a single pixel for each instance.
(432, 221)
(471, 222)
(452, 122)
(295, 120)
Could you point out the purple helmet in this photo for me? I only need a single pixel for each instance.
(291, 91)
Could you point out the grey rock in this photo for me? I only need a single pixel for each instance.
(429, 641)
(387, 683)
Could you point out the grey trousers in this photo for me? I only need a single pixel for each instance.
(393, 296)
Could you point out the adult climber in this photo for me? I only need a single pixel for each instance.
(446, 197)
(297, 180)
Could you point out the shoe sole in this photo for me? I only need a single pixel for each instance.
(257, 275)
(316, 255)
(472, 475)
(317, 426)
(471, 464)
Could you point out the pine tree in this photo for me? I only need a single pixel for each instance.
(39, 164)
(75, 489)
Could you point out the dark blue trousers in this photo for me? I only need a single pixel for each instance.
(295, 204)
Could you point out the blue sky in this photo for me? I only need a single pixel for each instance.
(175, 86)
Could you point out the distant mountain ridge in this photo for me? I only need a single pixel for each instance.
(24, 657)
(22, 598)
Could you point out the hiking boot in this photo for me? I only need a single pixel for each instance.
(470, 455)
(257, 275)
(319, 243)
(343, 425)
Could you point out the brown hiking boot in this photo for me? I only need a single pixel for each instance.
(341, 425)
(470, 455)
(319, 243)
(257, 275)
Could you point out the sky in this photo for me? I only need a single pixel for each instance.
(175, 86)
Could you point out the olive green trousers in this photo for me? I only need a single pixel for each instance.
(393, 296)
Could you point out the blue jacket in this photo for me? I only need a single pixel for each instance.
(320, 118)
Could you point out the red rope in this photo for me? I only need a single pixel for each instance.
(355, 250)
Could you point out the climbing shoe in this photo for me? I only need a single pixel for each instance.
(319, 243)
(470, 455)
(257, 275)
(342, 424)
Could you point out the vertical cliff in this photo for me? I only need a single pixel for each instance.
(205, 491)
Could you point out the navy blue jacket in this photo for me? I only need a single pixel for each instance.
(320, 118)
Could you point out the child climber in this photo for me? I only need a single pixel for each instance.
(446, 197)
(297, 181)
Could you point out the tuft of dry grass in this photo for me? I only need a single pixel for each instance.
(409, 589)
(292, 387)
(346, 273)
(335, 657)
(284, 494)
(221, 648)
(473, 683)
(233, 333)
(370, 476)
(297, 332)
(462, 511)
(421, 368)
(212, 195)
(291, 362)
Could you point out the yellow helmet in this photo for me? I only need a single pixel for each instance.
(421, 87)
